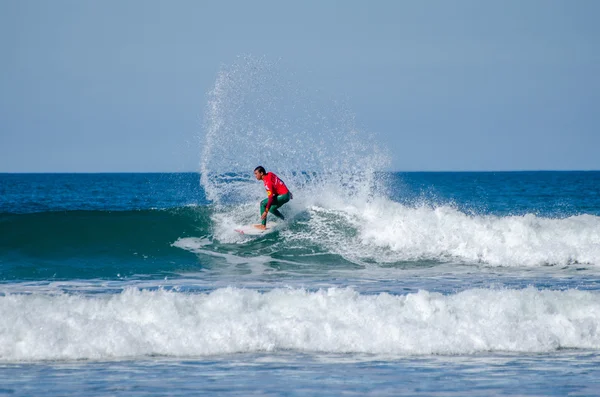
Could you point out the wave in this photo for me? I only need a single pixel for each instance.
(367, 230)
(359, 230)
(229, 320)
(82, 244)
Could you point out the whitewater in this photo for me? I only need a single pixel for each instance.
(138, 323)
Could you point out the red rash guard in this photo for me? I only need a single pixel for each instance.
(274, 186)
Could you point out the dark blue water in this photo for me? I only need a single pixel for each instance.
(548, 194)
(35, 193)
(423, 284)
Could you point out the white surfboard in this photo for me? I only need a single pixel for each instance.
(251, 230)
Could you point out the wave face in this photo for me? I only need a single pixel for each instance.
(97, 244)
(229, 320)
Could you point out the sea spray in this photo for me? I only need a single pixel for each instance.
(259, 115)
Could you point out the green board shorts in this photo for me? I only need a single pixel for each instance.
(277, 202)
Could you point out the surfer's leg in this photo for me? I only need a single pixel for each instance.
(279, 201)
(273, 210)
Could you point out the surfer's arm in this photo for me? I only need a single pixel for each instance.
(267, 207)
(270, 188)
(271, 199)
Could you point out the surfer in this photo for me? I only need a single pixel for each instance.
(277, 195)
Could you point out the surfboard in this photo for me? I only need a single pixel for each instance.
(250, 230)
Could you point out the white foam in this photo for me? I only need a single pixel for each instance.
(137, 323)
(526, 240)
(384, 231)
(257, 264)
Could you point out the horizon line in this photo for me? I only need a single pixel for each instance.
(198, 172)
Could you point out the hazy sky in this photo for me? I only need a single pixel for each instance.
(89, 86)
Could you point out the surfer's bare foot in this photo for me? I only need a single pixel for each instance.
(261, 227)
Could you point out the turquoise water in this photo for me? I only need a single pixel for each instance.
(390, 284)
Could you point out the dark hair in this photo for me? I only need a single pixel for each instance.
(260, 169)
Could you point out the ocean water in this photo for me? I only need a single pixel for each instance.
(465, 284)
(377, 283)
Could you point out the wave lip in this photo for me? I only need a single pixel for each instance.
(141, 322)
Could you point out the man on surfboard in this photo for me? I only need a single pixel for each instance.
(277, 195)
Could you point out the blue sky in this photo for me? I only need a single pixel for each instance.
(94, 86)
